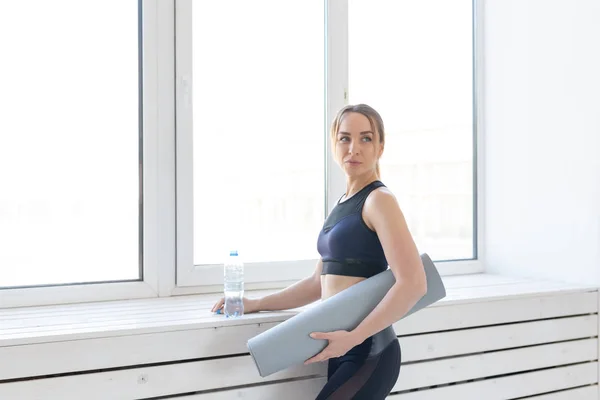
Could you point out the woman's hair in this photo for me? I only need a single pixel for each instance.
(374, 119)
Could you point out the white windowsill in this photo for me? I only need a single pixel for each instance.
(28, 325)
(150, 288)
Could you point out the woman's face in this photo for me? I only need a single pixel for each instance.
(357, 147)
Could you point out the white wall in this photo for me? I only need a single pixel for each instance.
(542, 138)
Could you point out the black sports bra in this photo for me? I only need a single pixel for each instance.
(346, 244)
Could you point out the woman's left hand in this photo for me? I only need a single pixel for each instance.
(340, 342)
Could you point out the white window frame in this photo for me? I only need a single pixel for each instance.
(209, 278)
(167, 168)
(157, 184)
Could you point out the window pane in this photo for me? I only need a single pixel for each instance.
(69, 142)
(258, 112)
(412, 61)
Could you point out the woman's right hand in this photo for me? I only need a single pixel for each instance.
(250, 306)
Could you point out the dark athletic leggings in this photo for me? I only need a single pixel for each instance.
(357, 376)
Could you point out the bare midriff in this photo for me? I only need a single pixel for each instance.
(333, 284)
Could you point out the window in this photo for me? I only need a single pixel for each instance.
(132, 159)
(257, 136)
(69, 143)
(263, 79)
(258, 163)
(412, 61)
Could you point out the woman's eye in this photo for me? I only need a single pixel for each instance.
(344, 139)
(367, 139)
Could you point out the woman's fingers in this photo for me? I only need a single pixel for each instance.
(218, 306)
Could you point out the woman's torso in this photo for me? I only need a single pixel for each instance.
(333, 284)
(349, 247)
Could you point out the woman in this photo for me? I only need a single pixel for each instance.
(364, 233)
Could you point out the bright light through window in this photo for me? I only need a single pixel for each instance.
(412, 61)
(69, 142)
(259, 129)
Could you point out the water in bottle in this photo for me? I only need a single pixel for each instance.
(234, 285)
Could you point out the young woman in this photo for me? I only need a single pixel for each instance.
(364, 234)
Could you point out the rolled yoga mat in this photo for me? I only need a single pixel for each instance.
(288, 343)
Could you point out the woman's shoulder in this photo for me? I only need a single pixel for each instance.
(381, 209)
(381, 193)
(381, 199)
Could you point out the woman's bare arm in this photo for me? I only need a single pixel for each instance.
(299, 294)
(384, 214)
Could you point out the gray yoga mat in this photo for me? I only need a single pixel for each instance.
(288, 343)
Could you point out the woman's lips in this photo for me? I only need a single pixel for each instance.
(353, 163)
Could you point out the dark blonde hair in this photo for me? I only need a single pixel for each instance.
(374, 119)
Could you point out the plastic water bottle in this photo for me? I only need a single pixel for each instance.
(234, 285)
